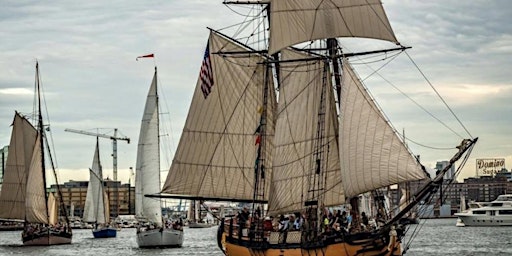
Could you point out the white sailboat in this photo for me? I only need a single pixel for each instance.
(287, 125)
(195, 216)
(24, 196)
(152, 231)
(96, 208)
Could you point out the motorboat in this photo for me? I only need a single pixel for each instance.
(495, 213)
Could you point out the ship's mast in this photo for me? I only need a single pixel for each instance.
(41, 134)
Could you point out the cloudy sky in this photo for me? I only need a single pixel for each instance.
(87, 50)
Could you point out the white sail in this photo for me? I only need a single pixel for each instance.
(297, 21)
(21, 147)
(138, 196)
(36, 209)
(148, 158)
(305, 134)
(53, 213)
(106, 205)
(372, 154)
(191, 211)
(72, 210)
(94, 210)
(404, 198)
(197, 211)
(216, 155)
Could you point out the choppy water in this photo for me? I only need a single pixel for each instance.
(436, 237)
(197, 242)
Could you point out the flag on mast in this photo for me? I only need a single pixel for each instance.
(145, 56)
(206, 73)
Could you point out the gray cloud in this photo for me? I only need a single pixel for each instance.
(87, 53)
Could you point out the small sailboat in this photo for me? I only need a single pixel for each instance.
(152, 231)
(195, 216)
(24, 196)
(96, 208)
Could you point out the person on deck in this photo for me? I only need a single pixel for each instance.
(364, 220)
(349, 221)
(243, 217)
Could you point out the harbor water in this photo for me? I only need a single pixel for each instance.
(436, 237)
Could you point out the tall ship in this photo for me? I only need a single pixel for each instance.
(24, 191)
(281, 121)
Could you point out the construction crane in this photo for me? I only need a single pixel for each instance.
(114, 139)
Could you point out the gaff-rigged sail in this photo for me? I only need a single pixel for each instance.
(305, 139)
(297, 21)
(53, 213)
(372, 154)
(35, 202)
(217, 152)
(21, 148)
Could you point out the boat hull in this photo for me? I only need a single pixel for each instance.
(334, 249)
(158, 238)
(104, 233)
(292, 244)
(341, 249)
(199, 225)
(48, 238)
(485, 220)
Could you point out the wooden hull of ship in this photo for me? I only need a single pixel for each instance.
(156, 238)
(104, 232)
(275, 244)
(49, 238)
(338, 249)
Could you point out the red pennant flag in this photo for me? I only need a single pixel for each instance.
(146, 56)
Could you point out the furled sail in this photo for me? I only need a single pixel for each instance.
(216, 155)
(305, 137)
(21, 147)
(94, 202)
(297, 21)
(148, 158)
(372, 154)
(35, 201)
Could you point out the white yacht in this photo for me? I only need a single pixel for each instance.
(495, 213)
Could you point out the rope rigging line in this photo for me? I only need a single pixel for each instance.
(376, 71)
(440, 97)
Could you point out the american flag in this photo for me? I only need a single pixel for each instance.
(206, 73)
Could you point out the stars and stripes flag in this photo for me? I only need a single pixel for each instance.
(206, 74)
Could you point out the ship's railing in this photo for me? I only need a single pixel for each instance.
(259, 231)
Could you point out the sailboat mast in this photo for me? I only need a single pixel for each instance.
(259, 168)
(41, 134)
(332, 46)
(158, 133)
(100, 192)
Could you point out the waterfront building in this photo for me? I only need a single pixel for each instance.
(74, 193)
(447, 201)
(451, 172)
